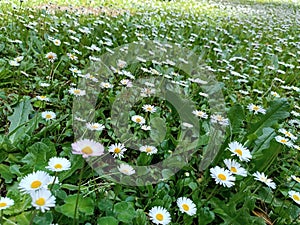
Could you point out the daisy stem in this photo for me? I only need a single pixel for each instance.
(55, 176)
(212, 193)
(32, 217)
(78, 192)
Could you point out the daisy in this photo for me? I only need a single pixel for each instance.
(256, 109)
(57, 164)
(56, 42)
(220, 120)
(284, 141)
(121, 64)
(295, 196)
(159, 215)
(126, 82)
(235, 167)
(43, 98)
(148, 149)
(117, 150)
(149, 108)
(287, 134)
(222, 176)
(126, 169)
(5, 202)
(186, 205)
(296, 178)
(44, 84)
(19, 58)
(95, 126)
(106, 85)
(51, 56)
(200, 114)
(263, 178)
(48, 115)
(42, 200)
(87, 148)
(72, 56)
(138, 119)
(34, 181)
(13, 63)
(77, 92)
(239, 150)
(145, 127)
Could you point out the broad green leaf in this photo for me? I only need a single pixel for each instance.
(85, 206)
(263, 141)
(205, 216)
(108, 220)
(125, 212)
(236, 116)
(18, 118)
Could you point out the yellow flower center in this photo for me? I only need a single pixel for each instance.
(87, 150)
(239, 152)
(58, 166)
(233, 169)
(185, 207)
(3, 204)
(95, 126)
(40, 201)
(255, 108)
(77, 92)
(297, 179)
(50, 56)
(222, 176)
(159, 216)
(48, 116)
(36, 184)
(148, 149)
(42, 97)
(296, 198)
(117, 150)
(138, 120)
(149, 108)
(283, 141)
(125, 171)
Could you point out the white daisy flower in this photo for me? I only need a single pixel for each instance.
(263, 178)
(34, 181)
(295, 178)
(48, 115)
(222, 176)
(58, 164)
(186, 205)
(159, 215)
(44, 84)
(117, 150)
(72, 56)
(220, 120)
(126, 82)
(138, 119)
(42, 200)
(5, 202)
(126, 169)
(51, 56)
(235, 167)
(42, 98)
(145, 127)
(95, 126)
(148, 149)
(287, 134)
(87, 148)
(256, 109)
(284, 141)
(19, 58)
(77, 92)
(56, 42)
(200, 114)
(13, 63)
(239, 150)
(149, 108)
(295, 196)
(106, 85)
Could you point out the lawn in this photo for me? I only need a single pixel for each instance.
(149, 112)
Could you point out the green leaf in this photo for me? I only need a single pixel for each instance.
(125, 212)
(263, 141)
(141, 217)
(5, 173)
(158, 131)
(236, 116)
(205, 216)
(108, 220)
(18, 118)
(279, 110)
(85, 205)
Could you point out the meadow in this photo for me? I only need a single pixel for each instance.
(149, 112)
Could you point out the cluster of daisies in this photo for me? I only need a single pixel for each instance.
(39, 183)
(160, 215)
(225, 176)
